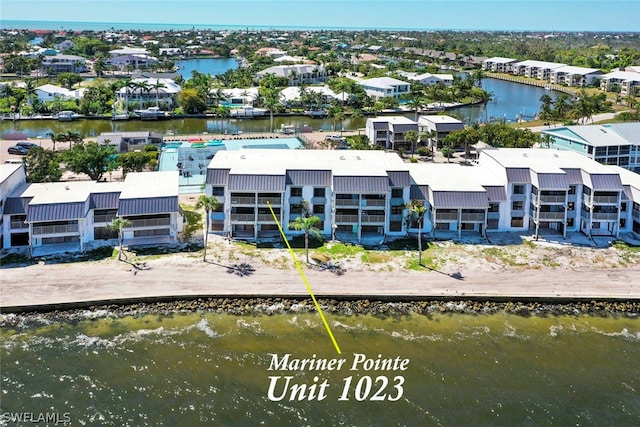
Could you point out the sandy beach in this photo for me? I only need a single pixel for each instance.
(545, 269)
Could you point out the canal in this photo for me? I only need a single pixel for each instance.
(511, 101)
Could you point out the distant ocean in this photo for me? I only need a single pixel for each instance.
(145, 26)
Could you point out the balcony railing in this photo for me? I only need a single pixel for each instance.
(373, 202)
(140, 223)
(550, 216)
(347, 218)
(477, 217)
(447, 216)
(243, 217)
(605, 216)
(271, 200)
(18, 225)
(605, 200)
(103, 218)
(243, 200)
(54, 229)
(552, 199)
(636, 214)
(373, 218)
(266, 218)
(347, 202)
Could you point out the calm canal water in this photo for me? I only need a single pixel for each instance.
(511, 100)
(212, 369)
(212, 66)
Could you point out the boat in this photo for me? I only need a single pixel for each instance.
(152, 113)
(287, 129)
(247, 111)
(67, 116)
(117, 117)
(316, 113)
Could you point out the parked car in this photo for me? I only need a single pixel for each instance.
(19, 150)
(28, 145)
(336, 138)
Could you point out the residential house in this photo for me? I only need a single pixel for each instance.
(574, 76)
(129, 141)
(12, 176)
(499, 64)
(389, 131)
(49, 92)
(56, 217)
(627, 81)
(610, 144)
(64, 45)
(440, 125)
(540, 70)
(381, 87)
(134, 57)
(429, 79)
(149, 91)
(57, 64)
(297, 73)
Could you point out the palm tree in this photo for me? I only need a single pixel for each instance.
(119, 224)
(157, 86)
(412, 137)
(306, 222)
(417, 210)
(271, 100)
(224, 113)
(561, 106)
(209, 204)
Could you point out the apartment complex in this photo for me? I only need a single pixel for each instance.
(610, 144)
(73, 216)
(389, 131)
(361, 196)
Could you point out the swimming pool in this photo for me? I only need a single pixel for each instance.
(192, 158)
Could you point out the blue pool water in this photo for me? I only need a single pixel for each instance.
(192, 159)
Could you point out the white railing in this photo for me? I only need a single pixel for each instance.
(605, 216)
(372, 218)
(54, 229)
(346, 218)
(271, 200)
(243, 217)
(552, 199)
(551, 216)
(243, 200)
(479, 217)
(18, 225)
(266, 217)
(140, 223)
(449, 216)
(373, 202)
(605, 200)
(347, 202)
(103, 218)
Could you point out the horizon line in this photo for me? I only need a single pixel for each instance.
(168, 27)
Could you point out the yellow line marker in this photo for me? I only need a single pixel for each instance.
(304, 279)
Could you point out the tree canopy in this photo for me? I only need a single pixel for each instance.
(91, 158)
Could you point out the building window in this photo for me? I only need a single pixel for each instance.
(317, 192)
(296, 191)
(517, 221)
(623, 207)
(396, 193)
(623, 222)
(569, 222)
(395, 226)
(572, 189)
(318, 209)
(517, 206)
(397, 210)
(571, 206)
(217, 191)
(518, 189)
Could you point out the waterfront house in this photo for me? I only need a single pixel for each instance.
(57, 64)
(12, 176)
(498, 64)
(574, 76)
(429, 79)
(381, 87)
(540, 70)
(135, 57)
(627, 81)
(236, 97)
(361, 196)
(297, 73)
(609, 144)
(56, 217)
(49, 92)
(149, 91)
(389, 131)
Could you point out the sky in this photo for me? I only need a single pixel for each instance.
(524, 15)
